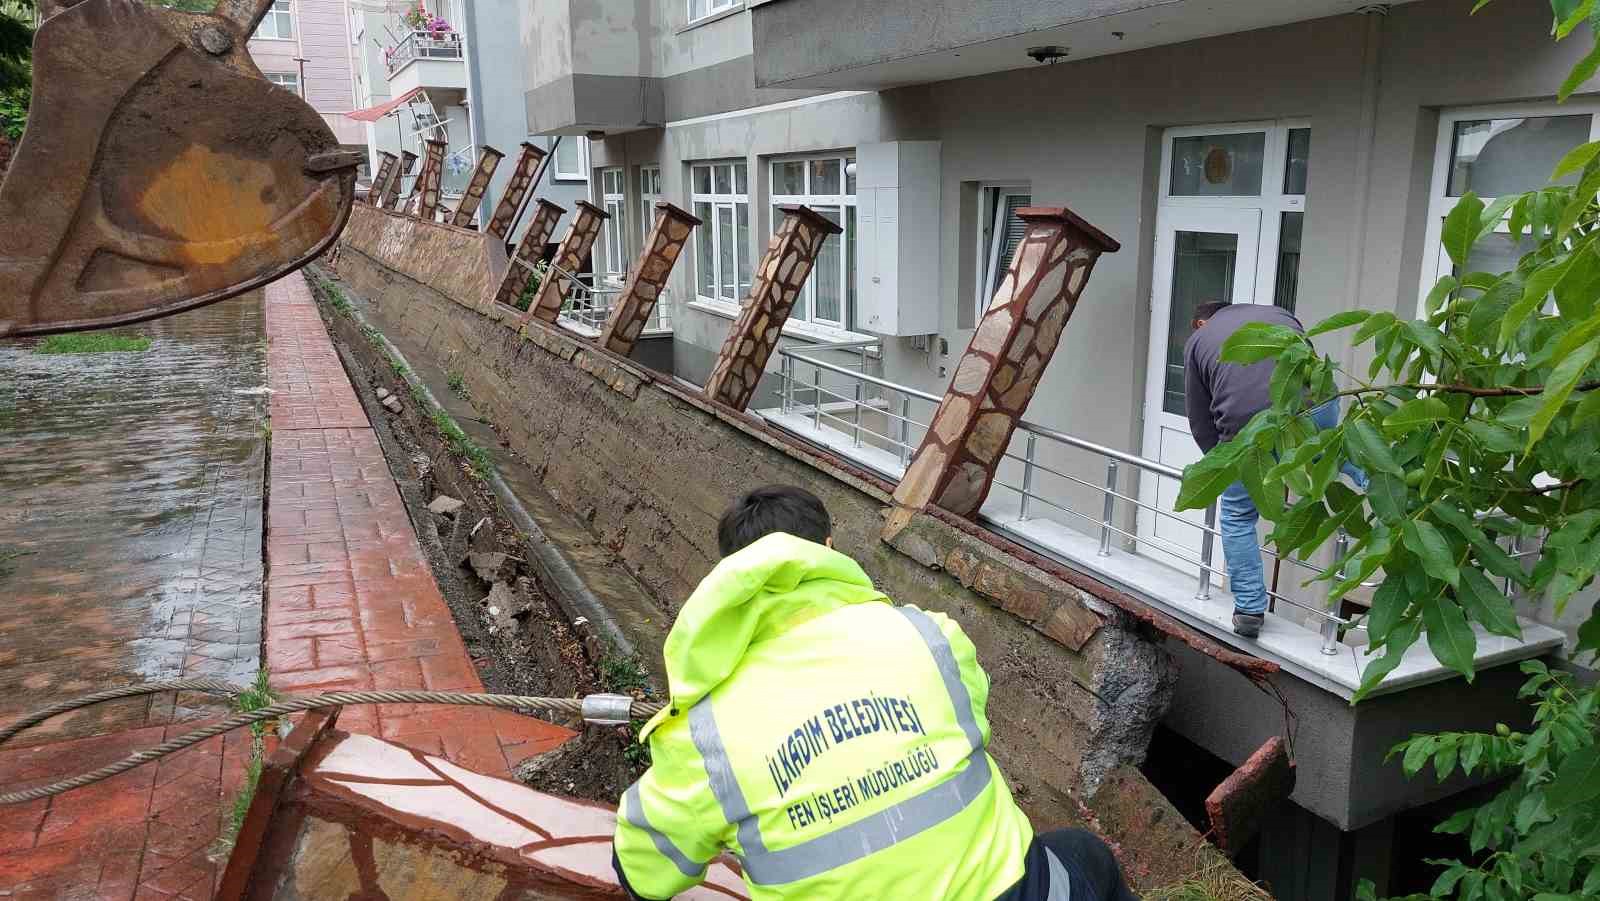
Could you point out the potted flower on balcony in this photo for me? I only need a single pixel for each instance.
(417, 18)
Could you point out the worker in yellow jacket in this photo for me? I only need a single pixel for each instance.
(834, 743)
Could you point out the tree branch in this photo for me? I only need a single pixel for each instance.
(1470, 390)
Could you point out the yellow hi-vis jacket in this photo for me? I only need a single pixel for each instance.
(833, 742)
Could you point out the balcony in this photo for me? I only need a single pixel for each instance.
(837, 44)
(428, 60)
(1096, 510)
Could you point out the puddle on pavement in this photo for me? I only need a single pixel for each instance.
(130, 533)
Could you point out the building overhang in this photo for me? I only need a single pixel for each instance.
(577, 104)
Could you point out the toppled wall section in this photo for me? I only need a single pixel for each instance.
(1077, 684)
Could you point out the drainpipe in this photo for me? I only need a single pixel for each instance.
(475, 128)
(1367, 136)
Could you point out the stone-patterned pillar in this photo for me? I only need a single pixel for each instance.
(586, 223)
(649, 276)
(380, 182)
(530, 250)
(522, 179)
(391, 195)
(427, 187)
(790, 255)
(488, 161)
(954, 468)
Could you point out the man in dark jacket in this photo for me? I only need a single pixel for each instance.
(1221, 398)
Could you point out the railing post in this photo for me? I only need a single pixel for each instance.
(786, 372)
(1207, 544)
(905, 429)
(1110, 510)
(856, 428)
(1516, 548)
(1330, 626)
(1027, 474)
(816, 396)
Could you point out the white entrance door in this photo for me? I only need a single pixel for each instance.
(1202, 254)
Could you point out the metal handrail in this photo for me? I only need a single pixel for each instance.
(872, 379)
(423, 45)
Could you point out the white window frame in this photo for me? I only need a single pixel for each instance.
(992, 197)
(711, 229)
(281, 14)
(289, 81)
(614, 248)
(705, 9)
(649, 178)
(805, 308)
(1435, 262)
(579, 174)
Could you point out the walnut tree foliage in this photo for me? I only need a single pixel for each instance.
(1479, 426)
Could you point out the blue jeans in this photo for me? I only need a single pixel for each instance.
(1237, 523)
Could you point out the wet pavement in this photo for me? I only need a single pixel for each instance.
(130, 551)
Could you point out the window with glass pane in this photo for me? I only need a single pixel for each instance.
(1203, 266)
(612, 231)
(278, 24)
(699, 9)
(1288, 282)
(1003, 230)
(288, 81)
(649, 195)
(821, 184)
(1218, 165)
(571, 162)
(722, 255)
(1297, 161)
(1495, 157)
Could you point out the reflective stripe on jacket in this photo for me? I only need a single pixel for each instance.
(833, 742)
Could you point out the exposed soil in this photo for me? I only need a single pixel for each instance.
(517, 637)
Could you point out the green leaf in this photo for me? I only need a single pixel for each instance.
(1483, 321)
(1434, 458)
(1587, 409)
(1471, 753)
(1418, 750)
(1375, 323)
(1461, 228)
(1340, 320)
(1559, 387)
(1444, 760)
(1417, 412)
(1387, 495)
(1576, 159)
(1256, 341)
(1427, 337)
(1488, 605)
(1265, 492)
(1368, 449)
(1581, 73)
(1423, 539)
(1449, 637)
(1205, 479)
(1519, 412)
(1441, 290)
(1570, 14)
(1577, 780)
(1300, 524)
(1589, 633)
(1538, 287)
(1492, 437)
(1400, 640)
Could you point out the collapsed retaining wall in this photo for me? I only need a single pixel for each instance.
(1078, 684)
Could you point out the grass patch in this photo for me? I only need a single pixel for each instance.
(336, 299)
(373, 336)
(259, 694)
(477, 458)
(1217, 881)
(623, 675)
(400, 369)
(93, 343)
(458, 384)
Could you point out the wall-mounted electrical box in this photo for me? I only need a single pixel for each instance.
(897, 212)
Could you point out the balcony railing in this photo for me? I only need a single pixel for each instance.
(1043, 484)
(423, 45)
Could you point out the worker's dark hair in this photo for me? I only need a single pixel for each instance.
(1208, 309)
(775, 508)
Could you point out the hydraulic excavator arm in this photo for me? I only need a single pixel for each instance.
(159, 171)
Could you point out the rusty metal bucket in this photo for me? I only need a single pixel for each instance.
(159, 171)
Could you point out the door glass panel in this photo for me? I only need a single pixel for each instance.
(789, 178)
(826, 275)
(1496, 254)
(702, 180)
(1496, 157)
(1203, 265)
(824, 176)
(743, 211)
(724, 179)
(705, 239)
(1288, 282)
(1218, 165)
(725, 246)
(849, 258)
(741, 179)
(1299, 157)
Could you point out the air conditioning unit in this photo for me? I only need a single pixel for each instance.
(897, 216)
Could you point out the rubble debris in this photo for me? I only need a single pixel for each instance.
(1243, 801)
(383, 393)
(493, 566)
(445, 505)
(392, 404)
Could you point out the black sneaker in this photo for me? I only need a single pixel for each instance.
(1247, 625)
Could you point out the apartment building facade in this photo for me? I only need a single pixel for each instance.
(1302, 154)
(303, 46)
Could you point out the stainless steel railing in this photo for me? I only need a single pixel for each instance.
(423, 45)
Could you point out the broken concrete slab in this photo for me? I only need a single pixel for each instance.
(1241, 803)
(445, 505)
(392, 404)
(493, 566)
(383, 393)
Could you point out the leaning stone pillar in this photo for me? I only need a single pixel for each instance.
(530, 250)
(427, 186)
(391, 194)
(380, 182)
(649, 276)
(574, 249)
(488, 160)
(522, 179)
(790, 255)
(954, 468)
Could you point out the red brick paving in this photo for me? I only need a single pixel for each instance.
(350, 602)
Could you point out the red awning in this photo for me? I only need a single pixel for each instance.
(374, 113)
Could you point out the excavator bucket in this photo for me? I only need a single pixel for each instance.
(159, 171)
